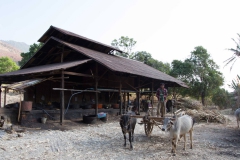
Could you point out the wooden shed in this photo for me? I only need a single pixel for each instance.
(68, 63)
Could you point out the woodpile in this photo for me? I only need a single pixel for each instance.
(187, 103)
(207, 115)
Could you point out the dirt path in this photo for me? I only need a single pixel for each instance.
(105, 141)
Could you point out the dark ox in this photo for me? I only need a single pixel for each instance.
(127, 124)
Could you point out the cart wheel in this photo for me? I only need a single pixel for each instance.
(148, 128)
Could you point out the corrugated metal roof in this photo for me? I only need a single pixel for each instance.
(82, 41)
(121, 64)
(24, 84)
(45, 68)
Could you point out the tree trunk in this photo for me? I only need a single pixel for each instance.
(203, 98)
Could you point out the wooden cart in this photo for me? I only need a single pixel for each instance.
(150, 121)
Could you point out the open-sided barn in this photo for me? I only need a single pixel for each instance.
(67, 63)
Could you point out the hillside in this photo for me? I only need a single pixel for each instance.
(23, 47)
(9, 51)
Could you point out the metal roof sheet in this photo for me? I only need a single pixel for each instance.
(121, 64)
(80, 40)
(45, 68)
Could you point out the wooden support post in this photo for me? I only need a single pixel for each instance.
(152, 97)
(127, 100)
(96, 86)
(20, 107)
(62, 99)
(5, 97)
(124, 102)
(120, 95)
(0, 95)
(62, 92)
(138, 96)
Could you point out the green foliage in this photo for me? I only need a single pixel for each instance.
(146, 58)
(235, 83)
(141, 56)
(7, 65)
(236, 52)
(125, 44)
(27, 55)
(164, 67)
(221, 98)
(200, 72)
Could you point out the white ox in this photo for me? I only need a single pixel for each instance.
(237, 115)
(178, 129)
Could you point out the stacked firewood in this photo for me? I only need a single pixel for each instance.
(207, 115)
(187, 103)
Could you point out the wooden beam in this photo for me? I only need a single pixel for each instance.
(127, 100)
(77, 74)
(131, 86)
(5, 97)
(152, 95)
(62, 89)
(20, 107)
(62, 100)
(138, 97)
(62, 92)
(143, 85)
(120, 95)
(124, 101)
(103, 75)
(0, 95)
(96, 86)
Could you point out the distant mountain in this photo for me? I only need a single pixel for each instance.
(7, 50)
(23, 47)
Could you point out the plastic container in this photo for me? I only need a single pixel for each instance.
(43, 120)
(100, 106)
(115, 106)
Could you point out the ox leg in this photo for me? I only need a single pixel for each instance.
(238, 122)
(124, 139)
(184, 136)
(130, 140)
(174, 145)
(191, 138)
(133, 135)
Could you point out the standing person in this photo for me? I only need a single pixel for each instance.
(162, 98)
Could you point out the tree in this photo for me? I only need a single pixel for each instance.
(125, 44)
(146, 58)
(7, 65)
(163, 67)
(236, 94)
(236, 52)
(141, 56)
(27, 55)
(200, 72)
(221, 98)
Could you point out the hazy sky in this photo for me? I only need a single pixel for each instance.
(168, 29)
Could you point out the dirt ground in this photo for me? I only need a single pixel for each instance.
(76, 140)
